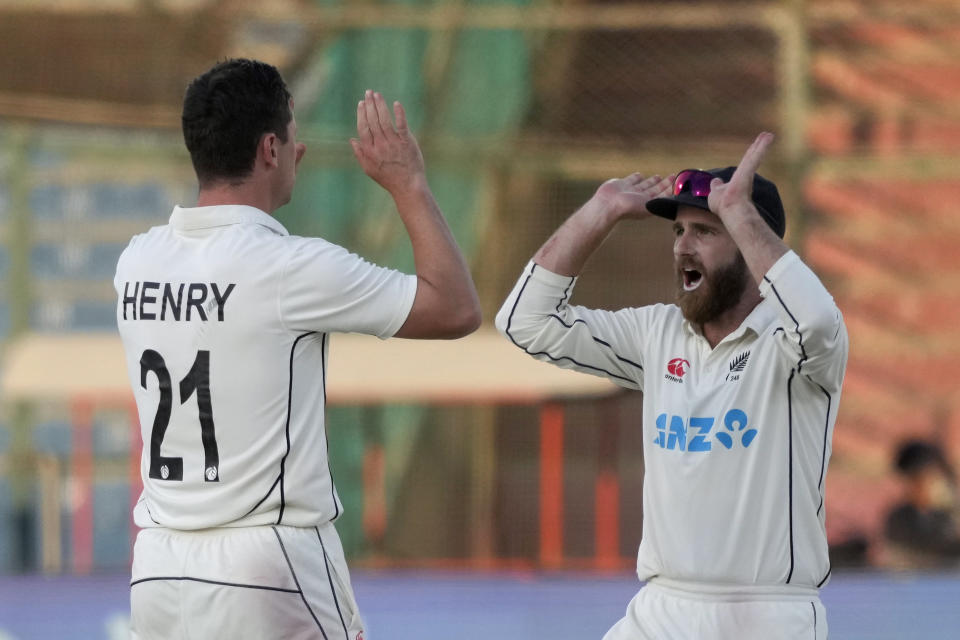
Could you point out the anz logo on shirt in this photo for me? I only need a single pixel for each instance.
(698, 434)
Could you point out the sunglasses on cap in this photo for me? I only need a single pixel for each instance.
(693, 181)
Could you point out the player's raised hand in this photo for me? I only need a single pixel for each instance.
(389, 154)
(730, 196)
(627, 197)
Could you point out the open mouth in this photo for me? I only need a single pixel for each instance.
(691, 279)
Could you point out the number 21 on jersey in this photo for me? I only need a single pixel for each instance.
(197, 380)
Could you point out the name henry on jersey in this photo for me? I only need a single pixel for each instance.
(174, 301)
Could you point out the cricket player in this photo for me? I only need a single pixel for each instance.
(741, 381)
(226, 321)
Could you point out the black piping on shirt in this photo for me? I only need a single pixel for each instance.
(326, 563)
(219, 582)
(823, 456)
(326, 434)
(283, 460)
(596, 339)
(147, 507)
(297, 582)
(566, 292)
(559, 358)
(823, 460)
(803, 358)
(820, 584)
(267, 495)
(793, 372)
(803, 351)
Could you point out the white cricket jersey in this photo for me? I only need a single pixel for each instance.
(226, 322)
(736, 438)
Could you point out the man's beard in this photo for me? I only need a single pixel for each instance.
(719, 292)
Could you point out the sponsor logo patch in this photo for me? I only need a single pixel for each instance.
(697, 433)
(676, 369)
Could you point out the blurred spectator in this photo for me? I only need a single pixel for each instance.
(922, 529)
(850, 552)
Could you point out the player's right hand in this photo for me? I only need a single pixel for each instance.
(727, 197)
(390, 155)
(627, 197)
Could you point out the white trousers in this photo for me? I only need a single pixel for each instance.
(246, 582)
(660, 612)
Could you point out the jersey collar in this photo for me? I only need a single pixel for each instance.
(194, 218)
(757, 321)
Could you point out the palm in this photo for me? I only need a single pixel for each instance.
(629, 196)
(389, 154)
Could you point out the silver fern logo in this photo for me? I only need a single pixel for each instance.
(737, 365)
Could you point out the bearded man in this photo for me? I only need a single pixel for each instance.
(741, 381)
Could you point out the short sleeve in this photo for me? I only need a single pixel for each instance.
(326, 288)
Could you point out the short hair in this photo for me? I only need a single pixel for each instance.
(913, 456)
(225, 113)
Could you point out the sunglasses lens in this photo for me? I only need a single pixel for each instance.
(681, 182)
(696, 182)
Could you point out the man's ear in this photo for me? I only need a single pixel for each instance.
(267, 149)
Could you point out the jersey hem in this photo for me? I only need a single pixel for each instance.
(721, 592)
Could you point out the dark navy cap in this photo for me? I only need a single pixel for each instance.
(765, 198)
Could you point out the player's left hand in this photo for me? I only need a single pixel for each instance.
(389, 154)
(627, 197)
(727, 197)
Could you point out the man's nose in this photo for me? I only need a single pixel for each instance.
(301, 150)
(682, 246)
